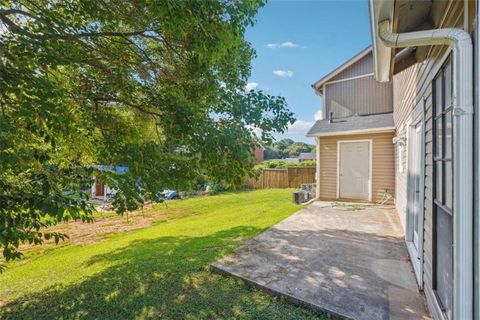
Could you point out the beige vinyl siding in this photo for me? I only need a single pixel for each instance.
(410, 87)
(415, 85)
(383, 170)
(358, 97)
(404, 101)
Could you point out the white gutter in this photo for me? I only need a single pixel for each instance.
(477, 165)
(338, 70)
(462, 100)
(348, 79)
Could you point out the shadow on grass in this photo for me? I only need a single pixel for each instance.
(166, 278)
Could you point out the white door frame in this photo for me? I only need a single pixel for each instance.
(370, 151)
(416, 254)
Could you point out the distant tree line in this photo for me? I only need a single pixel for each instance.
(279, 164)
(286, 148)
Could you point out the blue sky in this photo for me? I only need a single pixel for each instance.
(297, 43)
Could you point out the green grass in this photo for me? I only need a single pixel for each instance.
(161, 271)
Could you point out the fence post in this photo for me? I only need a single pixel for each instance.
(262, 178)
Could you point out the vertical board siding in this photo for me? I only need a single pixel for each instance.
(358, 96)
(361, 67)
(383, 168)
(409, 87)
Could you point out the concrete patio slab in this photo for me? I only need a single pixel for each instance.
(347, 260)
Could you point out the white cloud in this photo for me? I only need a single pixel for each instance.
(283, 73)
(286, 44)
(318, 115)
(299, 127)
(251, 86)
(257, 131)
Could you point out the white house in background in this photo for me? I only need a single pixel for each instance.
(101, 190)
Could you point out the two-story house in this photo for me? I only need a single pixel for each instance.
(355, 150)
(414, 134)
(429, 50)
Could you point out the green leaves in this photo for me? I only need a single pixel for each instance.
(286, 148)
(155, 86)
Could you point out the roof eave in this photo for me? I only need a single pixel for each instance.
(351, 132)
(317, 86)
(382, 56)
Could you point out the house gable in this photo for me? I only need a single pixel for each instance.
(352, 90)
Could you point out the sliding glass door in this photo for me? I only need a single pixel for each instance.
(443, 189)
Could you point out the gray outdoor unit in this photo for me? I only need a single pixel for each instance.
(300, 197)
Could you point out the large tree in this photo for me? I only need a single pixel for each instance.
(157, 86)
(296, 148)
(286, 148)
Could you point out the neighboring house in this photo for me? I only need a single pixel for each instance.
(306, 156)
(101, 190)
(294, 160)
(355, 156)
(425, 49)
(259, 154)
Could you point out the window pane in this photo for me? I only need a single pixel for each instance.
(438, 181)
(448, 184)
(438, 138)
(438, 95)
(448, 134)
(448, 84)
(444, 260)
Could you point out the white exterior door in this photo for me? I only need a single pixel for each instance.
(414, 234)
(354, 170)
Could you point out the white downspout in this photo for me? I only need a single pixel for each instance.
(476, 208)
(461, 44)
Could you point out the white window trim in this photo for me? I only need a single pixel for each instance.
(400, 157)
(413, 252)
(432, 300)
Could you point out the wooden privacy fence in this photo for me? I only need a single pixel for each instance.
(291, 177)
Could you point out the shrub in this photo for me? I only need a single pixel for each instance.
(282, 164)
(216, 187)
(309, 163)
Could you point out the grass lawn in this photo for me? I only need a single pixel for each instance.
(158, 271)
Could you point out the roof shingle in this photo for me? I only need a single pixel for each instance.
(373, 121)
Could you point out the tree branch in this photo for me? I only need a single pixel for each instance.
(129, 104)
(13, 27)
(7, 12)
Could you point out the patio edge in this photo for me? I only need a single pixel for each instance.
(289, 298)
